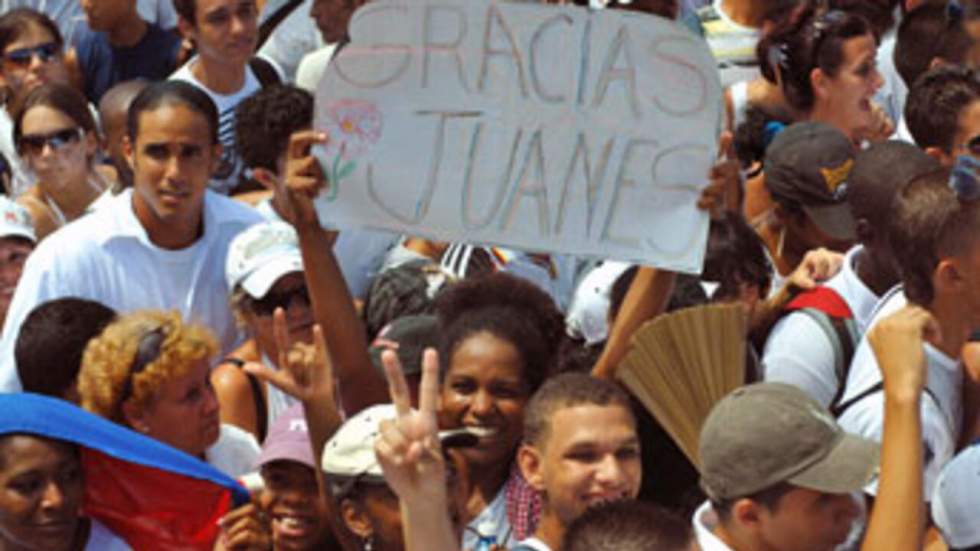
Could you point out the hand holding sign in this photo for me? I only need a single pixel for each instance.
(546, 128)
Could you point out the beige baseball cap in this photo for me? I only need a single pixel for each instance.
(767, 433)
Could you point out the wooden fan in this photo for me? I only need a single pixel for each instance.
(680, 364)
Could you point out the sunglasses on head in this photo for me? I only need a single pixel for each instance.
(267, 305)
(22, 57)
(33, 144)
(147, 351)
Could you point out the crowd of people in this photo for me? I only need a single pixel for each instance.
(189, 360)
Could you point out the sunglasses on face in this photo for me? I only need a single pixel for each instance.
(22, 57)
(33, 144)
(267, 305)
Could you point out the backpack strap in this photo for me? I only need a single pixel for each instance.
(831, 313)
(261, 413)
(265, 73)
(838, 409)
(824, 299)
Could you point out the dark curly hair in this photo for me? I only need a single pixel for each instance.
(509, 308)
(264, 121)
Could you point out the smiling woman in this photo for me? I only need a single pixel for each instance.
(41, 491)
(500, 337)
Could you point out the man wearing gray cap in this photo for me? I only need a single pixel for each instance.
(779, 473)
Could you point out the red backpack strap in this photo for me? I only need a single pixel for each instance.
(824, 299)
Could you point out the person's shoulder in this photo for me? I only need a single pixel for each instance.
(158, 37)
(101, 538)
(226, 211)
(236, 443)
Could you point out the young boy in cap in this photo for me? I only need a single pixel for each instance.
(806, 167)
(778, 472)
(290, 495)
(812, 346)
(367, 506)
(580, 450)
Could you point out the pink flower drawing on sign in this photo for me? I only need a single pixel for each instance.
(354, 126)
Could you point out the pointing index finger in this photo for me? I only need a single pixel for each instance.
(397, 386)
(429, 388)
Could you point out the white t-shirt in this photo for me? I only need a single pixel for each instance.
(294, 37)
(492, 520)
(893, 92)
(705, 521)
(532, 543)
(942, 411)
(732, 44)
(235, 453)
(798, 351)
(107, 256)
(100, 538)
(360, 253)
(20, 174)
(312, 67)
(226, 176)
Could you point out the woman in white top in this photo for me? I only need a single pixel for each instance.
(264, 272)
(56, 136)
(149, 371)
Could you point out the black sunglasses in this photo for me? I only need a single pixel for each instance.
(33, 144)
(267, 305)
(22, 57)
(147, 352)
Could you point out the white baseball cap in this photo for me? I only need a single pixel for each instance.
(956, 499)
(262, 254)
(349, 455)
(15, 221)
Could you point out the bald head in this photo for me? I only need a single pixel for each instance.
(112, 113)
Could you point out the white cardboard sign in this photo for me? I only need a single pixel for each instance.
(536, 127)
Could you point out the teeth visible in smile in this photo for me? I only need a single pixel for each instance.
(293, 522)
(482, 432)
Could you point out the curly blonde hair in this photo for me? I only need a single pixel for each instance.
(109, 358)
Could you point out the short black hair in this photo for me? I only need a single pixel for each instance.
(935, 102)
(628, 525)
(767, 497)
(265, 120)
(172, 92)
(735, 255)
(927, 32)
(51, 340)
